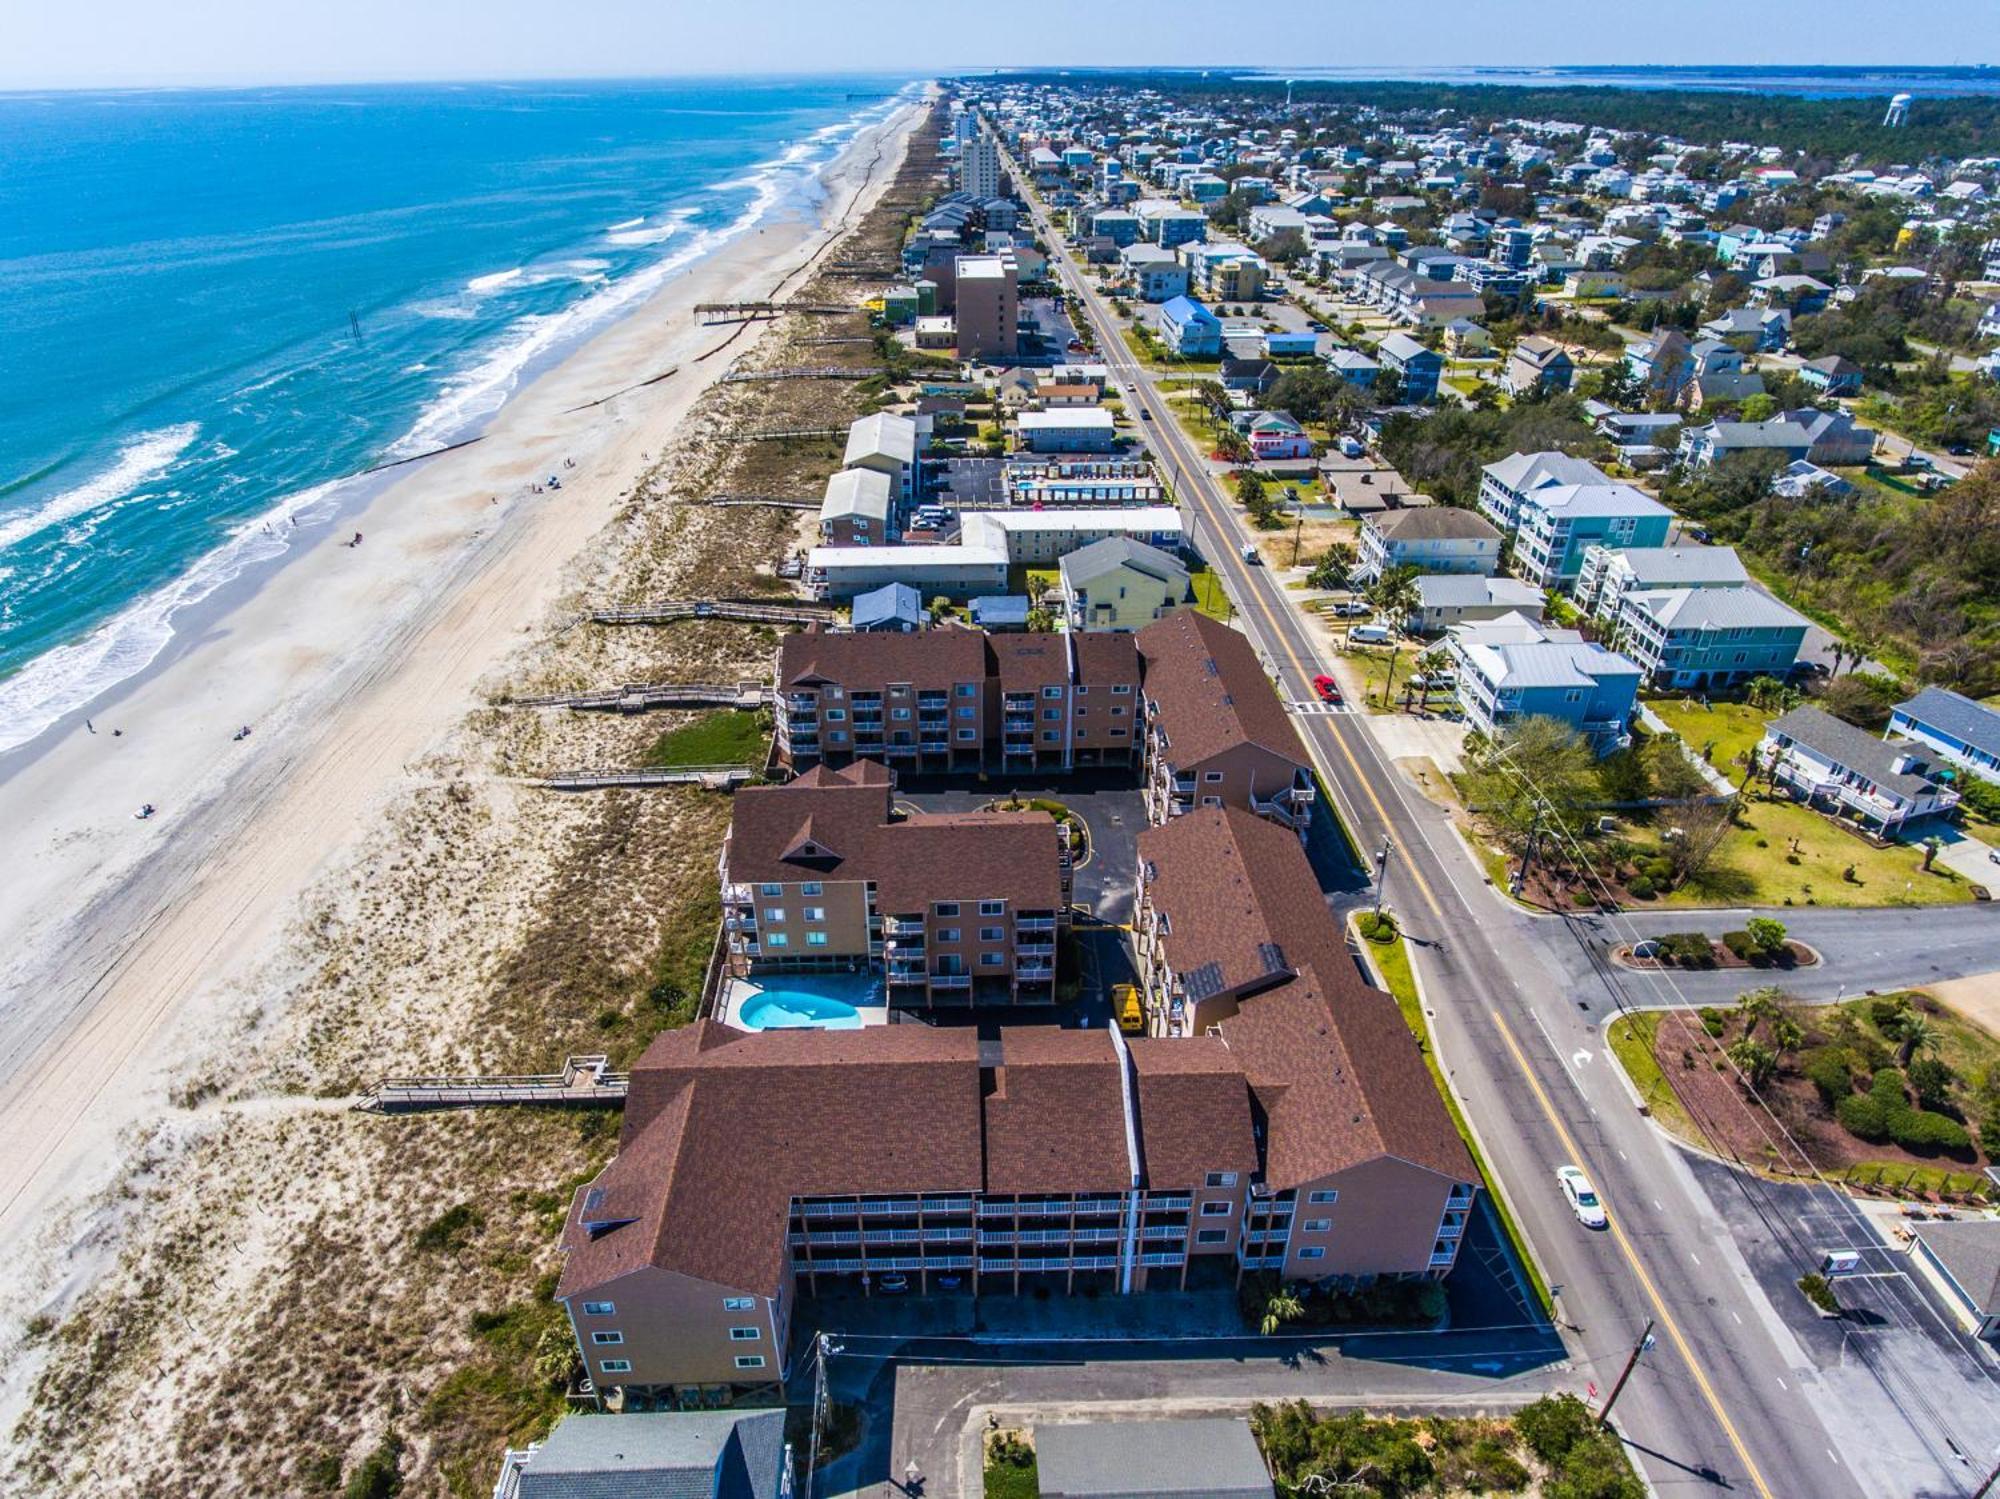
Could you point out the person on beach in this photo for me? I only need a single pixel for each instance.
(90, 726)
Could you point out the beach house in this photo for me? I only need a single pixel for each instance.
(1828, 763)
(1512, 668)
(1700, 638)
(1432, 539)
(1190, 329)
(1959, 731)
(1120, 584)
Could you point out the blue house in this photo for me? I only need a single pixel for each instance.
(1832, 375)
(1190, 329)
(894, 608)
(1511, 668)
(1416, 366)
(1963, 732)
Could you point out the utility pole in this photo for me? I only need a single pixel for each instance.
(1528, 853)
(1645, 1342)
(1298, 532)
(1382, 870)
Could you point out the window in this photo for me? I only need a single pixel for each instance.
(992, 959)
(1051, 715)
(749, 1360)
(948, 934)
(776, 939)
(770, 889)
(812, 887)
(815, 913)
(614, 1366)
(1051, 736)
(968, 712)
(1211, 801)
(774, 914)
(992, 907)
(607, 1339)
(815, 939)
(993, 934)
(1053, 692)
(1211, 776)
(836, 715)
(599, 1309)
(739, 1303)
(899, 714)
(1317, 1225)
(1217, 1209)
(1322, 1197)
(1122, 689)
(1314, 1253)
(946, 908)
(1117, 712)
(1211, 1235)
(968, 733)
(1083, 713)
(967, 689)
(1215, 1178)
(745, 1334)
(1117, 733)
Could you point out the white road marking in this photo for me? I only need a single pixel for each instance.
(1693, 1256)
(1739, 1320)
(1783, 1386)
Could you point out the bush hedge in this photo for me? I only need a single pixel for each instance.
(1828, 1070)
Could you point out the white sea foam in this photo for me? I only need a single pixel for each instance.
(140, 461)
(626, 224)
(61, 680)
(58, 681)
(479, 286)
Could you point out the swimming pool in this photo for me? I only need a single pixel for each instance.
(780, 1009)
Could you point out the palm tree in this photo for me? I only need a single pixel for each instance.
(1281, 1306)
(1394, 595)
(1919, 1034)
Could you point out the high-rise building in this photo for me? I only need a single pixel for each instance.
(979, 167)
(988, 306)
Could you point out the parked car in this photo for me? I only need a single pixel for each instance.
(1369, 634)
(892, 1283)
(1326, 689)
(1351, 447)
(1353, 609)
(1582, 1197)
(1250, 554)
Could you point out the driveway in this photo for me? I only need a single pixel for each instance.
(1965, 855)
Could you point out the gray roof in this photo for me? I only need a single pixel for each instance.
(1525, 471)
(1771, 434)
(891, 603)
(1461, 590)
(1743, 608)
(1213, 1458)
(664, 1455)
(1101, 557)
(1957, 715)
(1434, 523)
(1970, 1255)
(1858, 750)
(1667, 567)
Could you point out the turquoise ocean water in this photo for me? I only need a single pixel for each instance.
(183, 275)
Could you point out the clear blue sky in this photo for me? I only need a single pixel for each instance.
(64, 43)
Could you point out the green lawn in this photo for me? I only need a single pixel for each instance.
(1154, 355)
(1374, 663)
(1210, 597)
(725, 737)
(1006, 1480)
(1391, 962)
(1631, 1038)
(1728, 731)
(1754, 867)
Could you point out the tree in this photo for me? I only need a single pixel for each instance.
(1758, 1063)
(1672, 776)
(1756, 1007)
(1214, 399)
(1767, 935)
(1703, 826)
(1540, 772)
(1333, 567)
(1759, 407)
(1281, 1306)
(1919, 1034)
(1394, 596)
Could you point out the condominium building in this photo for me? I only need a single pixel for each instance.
(1513, 668)
(1216, 734)
(1709, 637)
(1431, 538)
(949, 699)
(1556, 507)
(1609, 573)
(822, 874)
(989, 312)
(1303, 1137)
(979, 168)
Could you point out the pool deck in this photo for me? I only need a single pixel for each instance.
(861, 990)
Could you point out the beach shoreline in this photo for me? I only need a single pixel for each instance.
(350, 662)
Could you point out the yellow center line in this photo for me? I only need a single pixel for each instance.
(1177, 440)
(1638, 1267)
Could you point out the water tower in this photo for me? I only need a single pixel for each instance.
(1899, 111)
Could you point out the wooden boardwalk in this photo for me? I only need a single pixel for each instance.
(788, 434)
(708, 777)
(737, 611)
(584, 1081)
(809, 372)
(740, 501)
(743, 312)
(640, 697)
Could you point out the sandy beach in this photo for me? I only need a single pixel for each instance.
(125, 945)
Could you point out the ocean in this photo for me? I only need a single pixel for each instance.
(223, 306)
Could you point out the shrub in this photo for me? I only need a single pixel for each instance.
(1640, 888)
(1931, 1081)
(380, 1474)
(1862, 1115)
(1553, 1425)
(452, 1228)
(1376, 926)
(1740, 945)
(1491, 1468)
(1887, 1011)
(1920, 1129)
(1989, 1134)
(1659, 871)
(1827, 1069)
(1689, 949)
(1819, 1291)
(1713, 1021)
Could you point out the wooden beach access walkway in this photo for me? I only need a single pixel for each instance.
(735, 611)
(771, 501)
(708, 777)
(584, 1081)
(743, 312)
(808, 372)
(640, 697)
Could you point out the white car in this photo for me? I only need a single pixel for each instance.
(1583, 1200)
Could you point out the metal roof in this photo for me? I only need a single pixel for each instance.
(1212, 1458)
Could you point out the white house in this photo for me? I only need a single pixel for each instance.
(1434, 539)
(1828, 763)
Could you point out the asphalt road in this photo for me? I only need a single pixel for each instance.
(1726, 1398)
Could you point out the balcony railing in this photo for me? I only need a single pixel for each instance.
(1172, 1203)
(951, 981)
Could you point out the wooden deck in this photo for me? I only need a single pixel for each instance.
(584, 1081)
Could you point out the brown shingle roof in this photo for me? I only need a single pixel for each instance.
(1104, 658)
(932, 856)
(840, 810)
(1025, 663)
(1055, 1120)
(870, 661)
(1327, 1055)
(1194, 1110)
(1211, 690)
(723, 1128)
(1433, 523)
